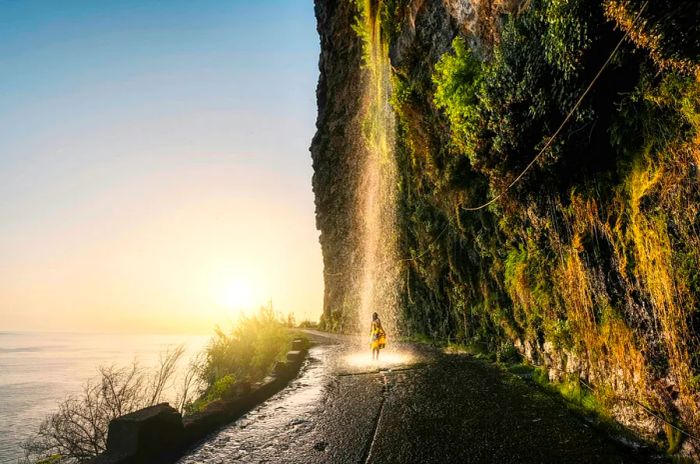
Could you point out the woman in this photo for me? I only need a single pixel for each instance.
(378, 336)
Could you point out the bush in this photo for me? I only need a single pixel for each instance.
(222, 387)
(457, 80)
(506, 352)
(247, 353)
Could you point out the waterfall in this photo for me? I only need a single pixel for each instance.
(377, 196)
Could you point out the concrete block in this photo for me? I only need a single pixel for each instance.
(294, 356)
(147, 432)
(243, 388)
(268, 387)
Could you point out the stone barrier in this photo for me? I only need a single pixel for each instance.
(294, 356)
(159, 434)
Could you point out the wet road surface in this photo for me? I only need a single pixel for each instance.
(416, 406)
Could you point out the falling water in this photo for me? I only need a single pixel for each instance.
(377, 195)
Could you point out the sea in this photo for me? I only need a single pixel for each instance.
(39, 370)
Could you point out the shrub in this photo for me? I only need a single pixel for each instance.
(457, 80)
(307, 324)
(247, 353)
(222, 387)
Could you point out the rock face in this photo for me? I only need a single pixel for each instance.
(428, 32)
(337, 147)
(588, 266)
(333, 149)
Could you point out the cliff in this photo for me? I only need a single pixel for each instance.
(336, 171)
(588, 264)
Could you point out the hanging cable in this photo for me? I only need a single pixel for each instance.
(566, 119)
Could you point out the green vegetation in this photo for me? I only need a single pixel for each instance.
(223, 388)
(668, 32)
(307, 324)
(244, 355)
(571, 390)
(53, 459)
(674, 437)
(590, 261)
(458, 79)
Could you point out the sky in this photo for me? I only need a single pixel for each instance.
(154, 165)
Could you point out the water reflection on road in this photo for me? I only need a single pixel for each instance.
(268, 431)
(293, 426)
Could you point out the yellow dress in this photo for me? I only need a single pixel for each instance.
(378, 335)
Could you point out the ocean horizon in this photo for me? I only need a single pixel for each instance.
(40, 369)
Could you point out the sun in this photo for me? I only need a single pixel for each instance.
(237, 295)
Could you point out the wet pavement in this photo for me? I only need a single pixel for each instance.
(415, 406)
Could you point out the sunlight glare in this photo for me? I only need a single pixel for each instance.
(237, 295)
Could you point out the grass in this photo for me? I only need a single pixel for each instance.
(571, 389)
(474, 348)
(577, 397)
(674, 437)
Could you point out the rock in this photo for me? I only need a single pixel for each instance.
(321, 446)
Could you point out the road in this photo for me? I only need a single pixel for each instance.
(416, 405)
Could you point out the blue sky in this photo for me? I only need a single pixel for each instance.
(125, 122)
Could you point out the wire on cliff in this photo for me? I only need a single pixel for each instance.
(566, 119)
